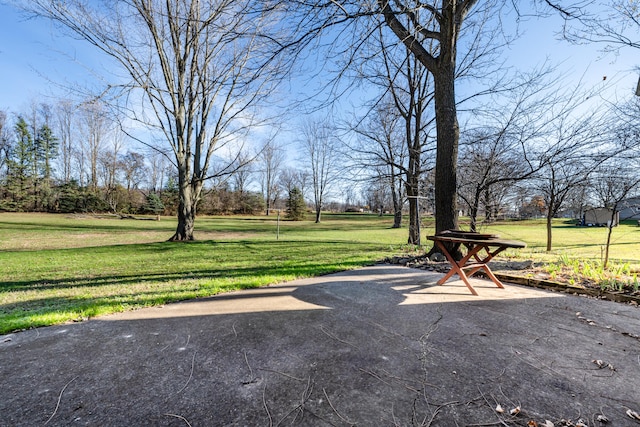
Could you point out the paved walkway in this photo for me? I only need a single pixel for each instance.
(377, 346)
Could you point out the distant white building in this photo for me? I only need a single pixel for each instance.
(600, 217)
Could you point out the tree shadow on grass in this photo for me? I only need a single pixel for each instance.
(36, 226)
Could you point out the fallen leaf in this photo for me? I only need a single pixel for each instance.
(633, 414)
(499, 409)
(548, 423)
(601, 418)
(532, 423)
(515, 411)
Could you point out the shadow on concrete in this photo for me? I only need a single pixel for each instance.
(376, 346)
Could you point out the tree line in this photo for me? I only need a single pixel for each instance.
(74, 159)
(67, 158)
(202, 76)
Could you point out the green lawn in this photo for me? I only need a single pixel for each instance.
(58, 268)
(574, 241)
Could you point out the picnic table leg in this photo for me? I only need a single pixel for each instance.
(484, 265)
(456, 267)
(493, 278)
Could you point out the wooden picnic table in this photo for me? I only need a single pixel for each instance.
(481, 248)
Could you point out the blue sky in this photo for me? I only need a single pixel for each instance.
(586, 62)
(22, 50)
(35, 59)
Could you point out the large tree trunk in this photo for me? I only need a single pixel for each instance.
(188, 195)
(397, 218)
(448, 133)
(186, 219)
(442, 68)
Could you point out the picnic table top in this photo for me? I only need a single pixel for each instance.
(469, 237)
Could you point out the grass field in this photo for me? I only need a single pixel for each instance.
(567, 238)
(58, 268)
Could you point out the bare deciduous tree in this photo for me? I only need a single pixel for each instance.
(618, 178)
(488, 166)
(499, 150)
(431, 32)
(381, 154)
(244, 169)
(134, 169)
(196, 69)
(65, 117)
(291, 178)
(614, 184)
(271, 159)
(109, 161)
(320, 151)
(613, 23)
(399, 123)
(96, 127)
(576, 143)
(433, 40)
(157, 171)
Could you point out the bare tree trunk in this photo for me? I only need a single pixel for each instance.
(186, 220)
(397, 204)
(474, 211)
(549, 233)
(605, 263)
(414, 210)
(550, 213)
(448, 133)
(186, 212)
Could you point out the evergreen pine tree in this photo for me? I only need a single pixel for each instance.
(295, 205)
(154, 205)
(20, 166)
(46, 147)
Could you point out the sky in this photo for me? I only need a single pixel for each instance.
(39, 63)
(586, 63)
